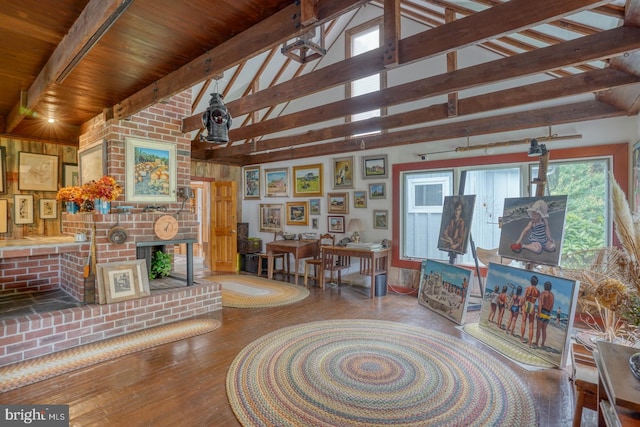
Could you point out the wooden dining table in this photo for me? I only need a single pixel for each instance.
(298, 248)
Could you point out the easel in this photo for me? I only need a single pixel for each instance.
(540, 181)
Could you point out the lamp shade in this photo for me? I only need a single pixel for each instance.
(355, 224)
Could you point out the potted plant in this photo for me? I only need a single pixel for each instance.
(102, 192)
(72, 196)
(160, 265)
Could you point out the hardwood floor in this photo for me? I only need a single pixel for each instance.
(183, 383)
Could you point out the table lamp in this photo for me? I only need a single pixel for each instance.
(355, 226)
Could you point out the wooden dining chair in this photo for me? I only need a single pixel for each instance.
(283, 257)
(316, 262)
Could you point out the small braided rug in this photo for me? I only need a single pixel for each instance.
(373, 373)
(54, 364)
(241, 291)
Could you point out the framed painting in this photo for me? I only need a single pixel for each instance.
(70, 177)
(3, 170)
(338, 203)
(444, 288)
(4, 216)
(315, 223)
(359, 199)
(377, 191)
(455, 226)
(120, 281)
(276, 182)
(307, 180)
(48, 209)
(23, 209)
(343, 172)
(314, 207)
(533, 229)
(251, 182)
(37, 172)
(636, 178)
(150, 171)
(297, 213)
(381, 219)
(271, 217)
(514, 301)
(92, 162)
(335, 223)
(374, 167)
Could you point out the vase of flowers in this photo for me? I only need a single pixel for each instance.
(72, 197)
(102, 192)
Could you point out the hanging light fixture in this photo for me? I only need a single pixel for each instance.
(308, 47)
(216, 120)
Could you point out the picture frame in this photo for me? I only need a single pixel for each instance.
(338, 203)
(455, 226)
(297, 213)
(251, 182)
(307, 180)
(276, 182)
(315, 223)
(3, 170)
(377, 191)
(23, 209)
(37, 172)
(445, 289)
(375, 167)
(343, 172)
(335, 223)
(359, 199)
(635, 164)
(381, 219)
(123, 281)
(48, 209)
(516, 237)
(314, 206)
(4, 216)
(92, 162)
(557, 331)
(70, 175)
(271, 217)
(150, 171)
(140, 266)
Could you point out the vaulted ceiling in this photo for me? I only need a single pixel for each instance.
(73, 60)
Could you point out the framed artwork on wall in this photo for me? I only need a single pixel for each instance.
(314, 207)
(92, 162)
(150, 171)
(37, 172)
(276, 182)
(359, 199)
(377, 191)
(3, 170)
(374, 167)
(343, 172)
(271, 217)
(70, 177)
(315, 223)
(338, 203)
(48, 209)
(307, 180)
(297, 213)
(251, 181)
(335, 223)
(4, 216)
(381, 219)
(23, 209)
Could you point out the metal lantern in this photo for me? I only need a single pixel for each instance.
(217, 120)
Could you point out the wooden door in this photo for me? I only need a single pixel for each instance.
(223, 249)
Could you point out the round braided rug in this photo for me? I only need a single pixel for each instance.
(373, 373)
(241, 291)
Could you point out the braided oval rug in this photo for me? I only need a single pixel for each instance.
(373, 373)
(244, 291)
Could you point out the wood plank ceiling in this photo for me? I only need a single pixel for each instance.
(52, 64)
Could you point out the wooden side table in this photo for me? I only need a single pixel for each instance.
(585, 382)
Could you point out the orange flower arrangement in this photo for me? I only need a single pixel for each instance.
(105, 188)
(70, 194)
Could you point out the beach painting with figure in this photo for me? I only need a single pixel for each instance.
(457, 212)
(530, 311)
(532, 229)
(444, 288)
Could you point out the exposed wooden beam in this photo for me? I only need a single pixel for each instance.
(391, 33)
(91, 19)
(594, 81)
(265, 35)
(605, 44)
(589, 110)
